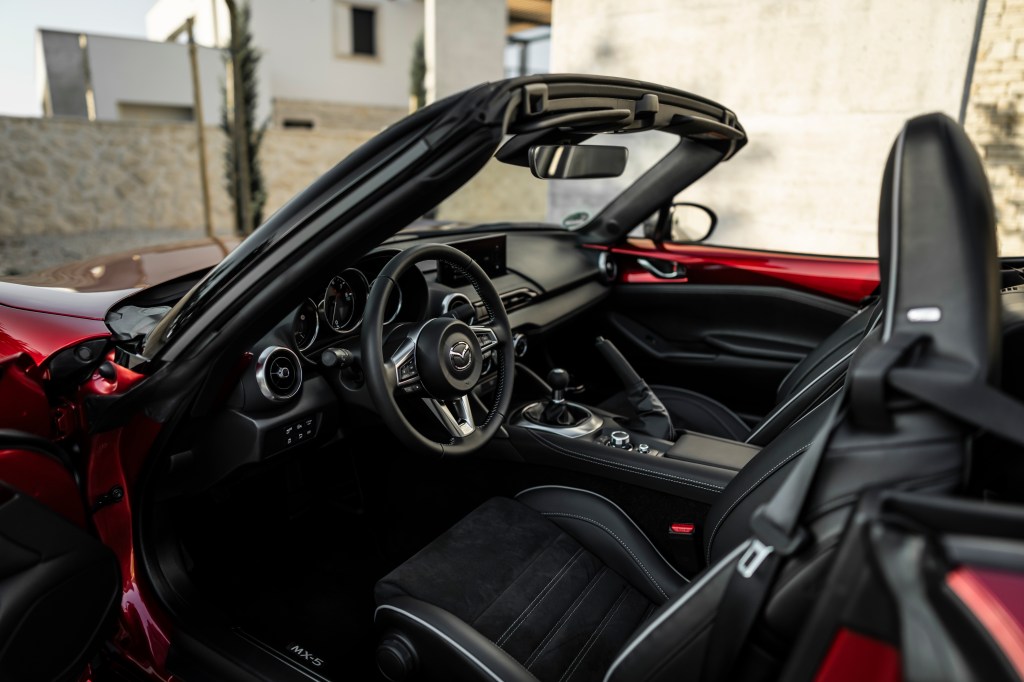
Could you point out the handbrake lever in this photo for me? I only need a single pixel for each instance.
(651, 415)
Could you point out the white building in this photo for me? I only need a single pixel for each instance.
(85, 76)
(324, 63)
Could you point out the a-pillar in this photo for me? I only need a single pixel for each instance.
(463, 43)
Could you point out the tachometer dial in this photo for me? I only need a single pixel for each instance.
(394, 305)
(339, 304)
(306, 325)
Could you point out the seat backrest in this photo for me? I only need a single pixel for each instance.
(816, 376)
(935, 224)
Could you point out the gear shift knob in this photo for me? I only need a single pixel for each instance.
(559, 381)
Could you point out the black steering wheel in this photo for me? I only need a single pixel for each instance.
(439, 360)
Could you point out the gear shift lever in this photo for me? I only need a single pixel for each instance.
(558, 379)
(558, 412)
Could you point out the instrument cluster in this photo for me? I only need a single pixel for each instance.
(336, 310)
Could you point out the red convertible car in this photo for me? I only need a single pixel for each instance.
(361, 446)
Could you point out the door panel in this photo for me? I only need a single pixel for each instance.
(733, 343)
(843, 279)
(729, 323)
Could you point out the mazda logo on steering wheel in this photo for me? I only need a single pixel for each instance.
(460, 356)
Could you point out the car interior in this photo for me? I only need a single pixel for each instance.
(481, 453)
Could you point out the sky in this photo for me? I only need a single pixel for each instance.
(19, 20)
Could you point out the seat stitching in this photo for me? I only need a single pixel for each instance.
(565, 619)
(702, 485)
(588, 645)
(779, 408)
(610, 532)
(535, 559)
(707, 554)
(852, 336)
(531, 607)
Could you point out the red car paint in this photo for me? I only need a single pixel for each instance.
(23, 403)
(39, 335)
(854, 657)
(46, 480)
(847, 279)
(115, 459)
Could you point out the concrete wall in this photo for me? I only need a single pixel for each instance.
(821, 87)
(160, 74)
(69, 176)
(995, 115)
(464, 44)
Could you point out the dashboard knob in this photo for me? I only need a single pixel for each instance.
(520, 344)
(643, 448)
(620, 439)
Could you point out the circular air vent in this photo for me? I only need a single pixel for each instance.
(609, 268)
(278, 373)
(461, 306)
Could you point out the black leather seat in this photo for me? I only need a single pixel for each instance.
(559, 584)
(807, 383)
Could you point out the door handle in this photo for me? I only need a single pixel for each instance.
(675, 270)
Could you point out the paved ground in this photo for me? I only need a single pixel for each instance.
(28, 254)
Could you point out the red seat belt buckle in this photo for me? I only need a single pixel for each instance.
(682, 528)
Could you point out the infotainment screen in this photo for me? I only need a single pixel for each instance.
(488, 252)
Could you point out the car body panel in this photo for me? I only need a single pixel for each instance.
(133, 269)
(44, 479)
(116, 458)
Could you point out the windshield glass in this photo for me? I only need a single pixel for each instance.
(505, 193)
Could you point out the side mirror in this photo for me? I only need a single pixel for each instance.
(691, 222)
(566, 161)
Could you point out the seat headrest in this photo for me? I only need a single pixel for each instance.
(937, 244)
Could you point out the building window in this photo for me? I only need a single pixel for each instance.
(355, 30)
(364, 31)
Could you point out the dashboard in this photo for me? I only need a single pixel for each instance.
(307, 366)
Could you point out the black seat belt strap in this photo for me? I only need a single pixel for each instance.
(776, 535)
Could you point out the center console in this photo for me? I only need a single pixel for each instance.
(558, 432)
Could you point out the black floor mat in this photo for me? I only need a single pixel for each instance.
(294, 571)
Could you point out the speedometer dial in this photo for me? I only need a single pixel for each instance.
(306, 325)
(339, 304)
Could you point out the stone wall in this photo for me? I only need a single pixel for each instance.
(995, 115)
(71, 177)
(334, 115)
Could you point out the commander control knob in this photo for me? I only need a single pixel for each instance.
(559, 381)
(620, 439)
(520, 344)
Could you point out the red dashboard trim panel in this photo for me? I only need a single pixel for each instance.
(846, 279)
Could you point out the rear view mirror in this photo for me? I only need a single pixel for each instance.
(565, 161)
(691, 222)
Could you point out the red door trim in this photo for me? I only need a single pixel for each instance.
(846, 279)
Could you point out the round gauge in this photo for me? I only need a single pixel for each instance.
(306, 325)
(339, 304)
(394, 306)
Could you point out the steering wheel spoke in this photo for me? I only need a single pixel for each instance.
(487, 337)
(401, 367)
(456, 416)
